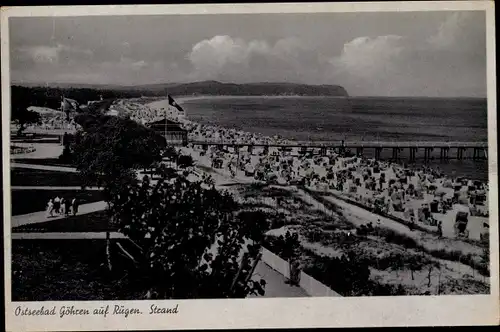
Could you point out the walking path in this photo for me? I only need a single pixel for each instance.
(41, 216)
(44, 167)
(66, 236)
(360, 216)
(53, 188)
(43, 150)
(275, 283)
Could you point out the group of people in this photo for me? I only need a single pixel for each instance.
(62, 206)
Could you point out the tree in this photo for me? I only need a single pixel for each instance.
(67, 154)
(185, 161)
(191, 239)
(257, 223)
(348, 275)
(109, 149)
(23, 117)
(170, 153)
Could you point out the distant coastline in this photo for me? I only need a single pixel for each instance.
(188, 98)
(201, 88)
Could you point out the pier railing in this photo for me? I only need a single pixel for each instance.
(347, 144)
(480, 149)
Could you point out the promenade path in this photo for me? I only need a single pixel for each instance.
(41, 216)
(360, 216)
(66, 236)
(475, 224)
(44, 167)
(43, 150)
(53, 188)
(275, 282)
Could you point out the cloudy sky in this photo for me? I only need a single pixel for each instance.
(372, 54)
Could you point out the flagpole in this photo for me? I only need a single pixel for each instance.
(166, 121)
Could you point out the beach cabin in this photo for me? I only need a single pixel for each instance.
(172, 131)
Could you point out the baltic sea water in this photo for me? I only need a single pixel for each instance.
(356, 119)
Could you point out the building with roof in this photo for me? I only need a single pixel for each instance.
(172, 131)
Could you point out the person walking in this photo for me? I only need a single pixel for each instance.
(67, 207)
(440, 229)
(74, 206)
(62, 208)
(57, 204)
(295, 269)
(50, 208)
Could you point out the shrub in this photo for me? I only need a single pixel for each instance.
(379, 289)
(348, 275)
(397, 238)
(176, 224)
(185, 161)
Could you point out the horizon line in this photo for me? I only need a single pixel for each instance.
(75, 85)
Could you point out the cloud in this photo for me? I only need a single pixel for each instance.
(210, 56)
(367, 57)
(51, 54)
(43, 54)
(445, 59)
(451, 59)
(458, 27)
(234, 59)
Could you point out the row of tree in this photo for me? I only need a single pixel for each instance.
(24, 97)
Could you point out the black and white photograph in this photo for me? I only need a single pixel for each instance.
(248, 156)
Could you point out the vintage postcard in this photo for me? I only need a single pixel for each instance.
(250, 166)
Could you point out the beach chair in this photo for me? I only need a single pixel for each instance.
(461, 221)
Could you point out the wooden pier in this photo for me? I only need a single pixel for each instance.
(447, 150)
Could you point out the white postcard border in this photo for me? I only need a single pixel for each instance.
(259, 312)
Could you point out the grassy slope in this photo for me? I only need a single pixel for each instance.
(66, 270)
(35, 177)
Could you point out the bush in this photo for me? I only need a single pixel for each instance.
(277, 222)
(255, 221)
(378, 289)
(66, 155)
(348, 275)
(185, 161)
(176, 224)
(397, 238)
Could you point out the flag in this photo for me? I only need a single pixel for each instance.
(180, 111)
(69, 104)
